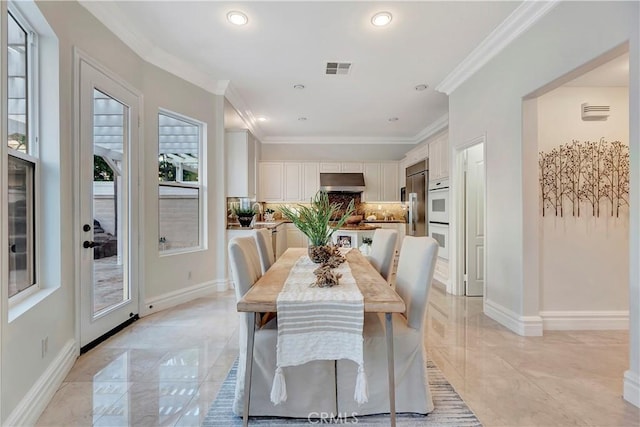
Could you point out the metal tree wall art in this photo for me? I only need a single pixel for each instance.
(589, 173)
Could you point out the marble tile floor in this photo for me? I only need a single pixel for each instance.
(166, 369)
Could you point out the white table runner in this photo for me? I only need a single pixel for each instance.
(319, 324)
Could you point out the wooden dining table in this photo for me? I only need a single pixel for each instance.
(378, 296)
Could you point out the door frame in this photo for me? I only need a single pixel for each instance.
(136, 253)
(458, 287)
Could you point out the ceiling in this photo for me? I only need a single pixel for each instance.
(289, 43)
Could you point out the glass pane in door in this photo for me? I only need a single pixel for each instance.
(110, 285)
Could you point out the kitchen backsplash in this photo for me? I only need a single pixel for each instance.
(392, 210)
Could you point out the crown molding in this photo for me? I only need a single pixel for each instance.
(243, 110)
(110, 15)
(520, 20)
(440, 124)
(435, 127)
(335, 140)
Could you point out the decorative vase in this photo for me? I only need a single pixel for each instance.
(245, 221)
(319, 254)
(268, 217)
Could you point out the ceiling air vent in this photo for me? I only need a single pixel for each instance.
(338, 68)
(595, 112)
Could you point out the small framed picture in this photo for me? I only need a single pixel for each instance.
(344, 241)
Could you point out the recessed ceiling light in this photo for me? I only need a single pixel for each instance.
(381, 19)
(237, 18)
(302, 119)
(393, 119)
(298, 86)
(421, 87)
(262, 119)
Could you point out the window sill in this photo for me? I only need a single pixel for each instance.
(29, 302)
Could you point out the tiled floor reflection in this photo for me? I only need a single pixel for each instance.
(167, 368)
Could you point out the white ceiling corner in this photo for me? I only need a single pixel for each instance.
(121, 26)
(521, 19)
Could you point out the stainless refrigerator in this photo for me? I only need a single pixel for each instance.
(417, 179)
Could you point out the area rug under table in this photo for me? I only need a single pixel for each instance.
(450, 410)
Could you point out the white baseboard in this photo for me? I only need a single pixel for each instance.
(223, 285)
(38, 397)
(521, 325)
(632, 388)
(173, 298)
(575, 320)
(442, 281)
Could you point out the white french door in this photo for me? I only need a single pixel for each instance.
(108, 253)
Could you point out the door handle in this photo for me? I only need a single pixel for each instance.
(87, 244)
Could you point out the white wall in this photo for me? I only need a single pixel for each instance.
(54, 317)
(585, 260)
(491, 103)
(334, 152)
(166, 275)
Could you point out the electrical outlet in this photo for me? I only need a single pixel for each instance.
(44, 346)
(189, 275)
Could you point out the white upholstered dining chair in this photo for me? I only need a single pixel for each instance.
(265, 248)
(413, 282)
(383, 250)
(310, 387)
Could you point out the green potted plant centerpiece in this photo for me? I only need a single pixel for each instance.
(245, 215)
(317, 221)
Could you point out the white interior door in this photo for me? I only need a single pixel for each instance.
(474, 221)
(108, 207)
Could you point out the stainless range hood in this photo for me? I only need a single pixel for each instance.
(342, 182)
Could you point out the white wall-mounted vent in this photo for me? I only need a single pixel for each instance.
(338, 68)
(595, 112)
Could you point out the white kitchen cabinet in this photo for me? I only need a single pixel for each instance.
(390, 190)
(240, 148)
(417, 154)
(381, 182)
(402, 173)
(351, 167)
(292, 182)
(345, 167)
(271, 185)
(310, 180)
(295, 237)
(329, 167)
(288, 181)
(439, 158)
(372, 187)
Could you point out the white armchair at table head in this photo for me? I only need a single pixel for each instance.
(383, 251)
(414, 276)
(311, 386)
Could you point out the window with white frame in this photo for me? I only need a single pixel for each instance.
(22, 154)
(180, 194)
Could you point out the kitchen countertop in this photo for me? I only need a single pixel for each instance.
(257, 225)
(363, 226)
